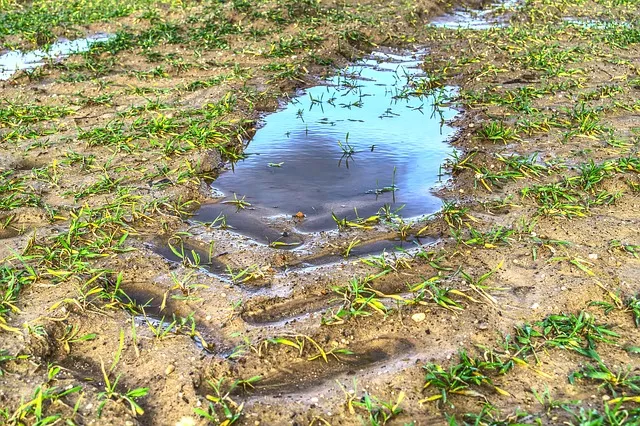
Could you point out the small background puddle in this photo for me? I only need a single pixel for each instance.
(486, 18)
(296, 164)
(13, 61)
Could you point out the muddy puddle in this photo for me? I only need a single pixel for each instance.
(492, 15)
(351, 145)
(16, 60)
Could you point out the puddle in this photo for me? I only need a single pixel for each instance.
(13, 61)
(392, 147)
(489, 17)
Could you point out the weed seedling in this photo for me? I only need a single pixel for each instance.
(240, 203)
(222, 409)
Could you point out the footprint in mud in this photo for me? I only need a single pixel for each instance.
(8, 232)
(273, 312)
(166, 313)
(302, 375)
(277, 311)
(374, 246)
(189, 254)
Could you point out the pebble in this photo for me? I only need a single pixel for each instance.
(535, 305)
(128, 423)
(593, 256)
(420, 316)
(208, 317)
(186, 421)
(170, 369)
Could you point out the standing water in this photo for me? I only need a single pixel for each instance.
(492, 16)
(13, 61)
(362, 139)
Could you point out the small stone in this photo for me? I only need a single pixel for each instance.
(420, 316)
(186, 421)
(606, 397)
(314, 400)
(170, 369)
(128, 423)
(593, 256)
(535, 306)
(208, 317)
(299, 215)
(563, 288)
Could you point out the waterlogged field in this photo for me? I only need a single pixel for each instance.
(126, 297)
